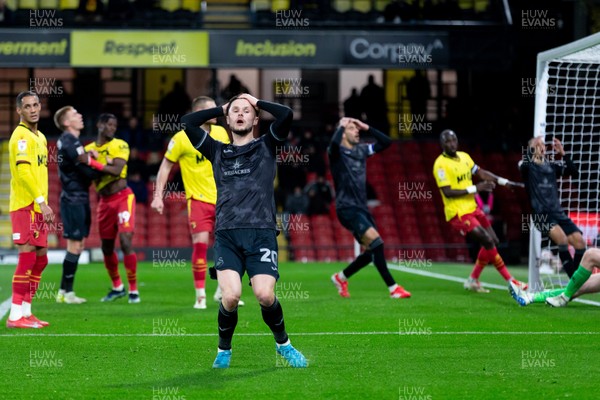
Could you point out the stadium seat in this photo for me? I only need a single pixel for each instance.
(139, 240)
(280, 5)
(437, 254)
(27, 4)
(181, 241)
(68, 4)
(261, 5)
(91, 242)
(391, 254)
(170, 5)
(327, 254)
(49, 4)
(157, 241)
(363, 6)
(342, 6)
(191, 5)
(304, 255)
(302, 241)
(458, 254)
(345, 254)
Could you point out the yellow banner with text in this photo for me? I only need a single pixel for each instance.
(139, 49)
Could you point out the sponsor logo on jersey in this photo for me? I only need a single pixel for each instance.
(236, 170)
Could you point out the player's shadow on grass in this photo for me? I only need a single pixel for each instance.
(205, 378)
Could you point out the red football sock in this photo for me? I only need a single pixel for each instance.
(111, 262)
(36, 275)
(130, 261)
(499, 264)
(199, 264)
(20, 282)
(480, 263)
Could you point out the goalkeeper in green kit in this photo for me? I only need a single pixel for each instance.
(581, 282)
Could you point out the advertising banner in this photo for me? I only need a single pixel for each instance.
(404, 50)
(275, 49)
(34, 48)
(139, 49)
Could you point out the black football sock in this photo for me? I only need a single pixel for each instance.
(69, 269)
(227, 323)
(577, 258)
(273, 317)
(381, 265)
(566, 259)
(359, 263)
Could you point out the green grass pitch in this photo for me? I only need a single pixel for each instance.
(443, 343)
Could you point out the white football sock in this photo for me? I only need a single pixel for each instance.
(26, 309)
(16, 312)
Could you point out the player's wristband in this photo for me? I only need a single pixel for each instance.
(96, 165)
(40, 199)
(502, 181)
(472, 189)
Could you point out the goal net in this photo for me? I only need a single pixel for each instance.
(567, 106)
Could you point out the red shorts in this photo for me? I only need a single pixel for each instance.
(468, 222)
(116, 214)
(201, 216)
(28, 226)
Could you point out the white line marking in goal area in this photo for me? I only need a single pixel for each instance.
(5, 307)
(461, 280)
(466, 333)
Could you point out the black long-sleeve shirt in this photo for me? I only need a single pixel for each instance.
(75, 177)
(243, 174)
(540, 182)
(349, 167)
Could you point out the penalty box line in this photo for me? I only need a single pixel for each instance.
(451, 278)
(432, 333)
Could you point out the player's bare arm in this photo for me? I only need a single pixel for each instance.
(26, 177)
(114, 169)
(161, 181)
(489, 176)
(484, 186)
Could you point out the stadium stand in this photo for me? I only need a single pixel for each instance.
(244, 14)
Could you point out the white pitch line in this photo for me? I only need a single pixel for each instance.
(5, 307)
(383, 333)
(461, 280)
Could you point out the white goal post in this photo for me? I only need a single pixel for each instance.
(567, 106)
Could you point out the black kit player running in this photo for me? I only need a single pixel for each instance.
(245, 231)
(348, 158)
(540, 178)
